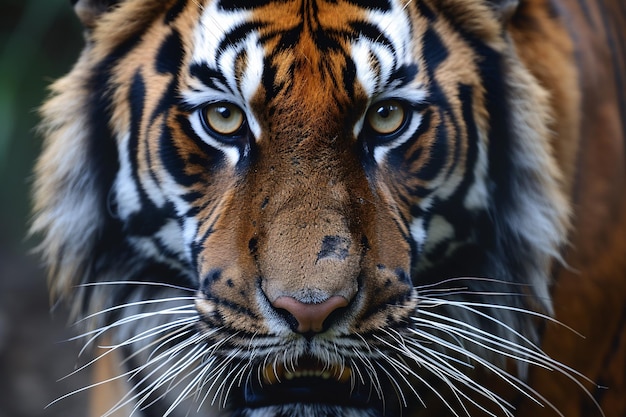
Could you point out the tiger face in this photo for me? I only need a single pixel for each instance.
(303, 207)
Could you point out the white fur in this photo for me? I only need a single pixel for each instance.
(126, 193)
(542, 215)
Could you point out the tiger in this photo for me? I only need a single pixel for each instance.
(342, 207)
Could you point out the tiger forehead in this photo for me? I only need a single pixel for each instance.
(309, 48)
(307, 16)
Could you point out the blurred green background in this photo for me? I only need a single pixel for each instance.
(39, 40)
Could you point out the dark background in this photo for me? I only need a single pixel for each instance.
(39, 41)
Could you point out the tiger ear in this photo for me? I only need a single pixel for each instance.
(505, 9)
(88, 11)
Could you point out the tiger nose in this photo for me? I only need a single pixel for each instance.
(310, 316)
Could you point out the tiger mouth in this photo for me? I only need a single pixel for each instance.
(274, 374)
(307, 382)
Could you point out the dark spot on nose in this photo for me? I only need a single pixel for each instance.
(334, 247)
(265, 202)
(253, 245)
(365, 243)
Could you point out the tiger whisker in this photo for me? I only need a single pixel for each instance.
(471, 279)
(146, 334)
(186, 391)
(513, 381)
(94, 385)
(534, 356)
(371, 371)
(395, 386)
(182, 365)
(140, 283)
(397, 365)
(166, 356)
(110, 349)
(465, 291)
(466, 304)
(436, 370)
(217, 376)
(204, 366)
(212, 372)
(134, 304)
(238, 376)
(435, 363)
(140, 398)
(470, 307)
(470, 333)
(515, 351)
(96, 333)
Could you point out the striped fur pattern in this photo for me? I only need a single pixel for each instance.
(317, 207)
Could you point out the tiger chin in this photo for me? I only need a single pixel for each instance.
(340, 208)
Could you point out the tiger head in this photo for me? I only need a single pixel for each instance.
(302, 207)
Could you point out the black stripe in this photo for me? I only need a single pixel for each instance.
(151, 218)
(102, 147)
(438, 154)
(271, 86)
(173, 13)
(425, 125)
(425, 11)
(466, 94)
(453, 209)
(207, 158)
(349, 77)
(434, 51)
(211, 78)
(379, 5)
(237, 35)
(370, 32)
(237, 308)
(403, 75)
(169, 58)
(234, 5)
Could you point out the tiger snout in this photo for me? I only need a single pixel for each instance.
(310, 270)
(305, 268)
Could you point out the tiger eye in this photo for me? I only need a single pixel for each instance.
(386, 117)
(223, 118)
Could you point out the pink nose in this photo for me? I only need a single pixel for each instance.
(310, 317)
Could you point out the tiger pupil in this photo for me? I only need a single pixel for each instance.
(385, 111)
(224, 112)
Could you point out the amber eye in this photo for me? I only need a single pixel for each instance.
(224, 119)
(386, 117)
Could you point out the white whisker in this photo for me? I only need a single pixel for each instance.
(139, 283)
(96, 333)
(135, 304)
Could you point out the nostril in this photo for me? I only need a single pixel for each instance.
(310, 317)
(289, 318)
